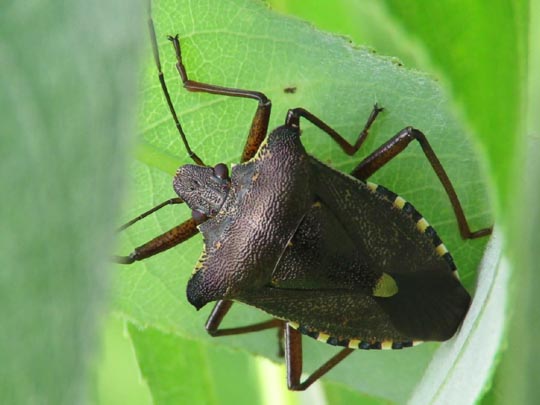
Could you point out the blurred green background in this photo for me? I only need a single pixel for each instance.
(70, 76)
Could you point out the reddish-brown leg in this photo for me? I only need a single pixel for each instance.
(293, 345)
(293, 358)
(396, 145)
(387, 152)
(259, 125)
(221, 309)
(293, 119)
(163, 242)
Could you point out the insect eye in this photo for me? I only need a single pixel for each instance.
(198, 216)
(194, 185)
(221, 170)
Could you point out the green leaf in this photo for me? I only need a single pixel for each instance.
(118, 375)
(482, 68)
(368, 22)
(240, 43)
(195, 373)
(516, 380)
(68, 81)
(337, 394)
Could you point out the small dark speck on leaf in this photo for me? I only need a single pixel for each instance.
(289, 90)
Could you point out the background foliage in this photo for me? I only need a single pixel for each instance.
(66, 71)
(67, 104)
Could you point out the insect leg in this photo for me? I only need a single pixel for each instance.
(221, 309)
(163, 242)
(259, 125)
(293, 119)
(397, 144)
(293, 358)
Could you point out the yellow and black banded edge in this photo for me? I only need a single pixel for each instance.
(200, 263)
(422, 225)
(353, 343)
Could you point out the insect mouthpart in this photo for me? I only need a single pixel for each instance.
(204, 189)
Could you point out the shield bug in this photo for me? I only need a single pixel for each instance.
(329, 255)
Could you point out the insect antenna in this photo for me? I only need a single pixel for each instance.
(171, 201)
(157, 60)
